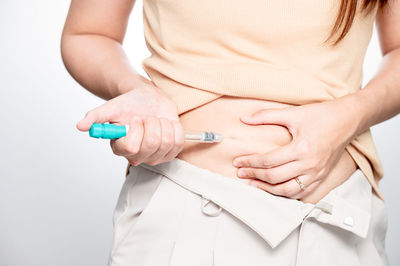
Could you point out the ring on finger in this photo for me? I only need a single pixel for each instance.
(301, 184)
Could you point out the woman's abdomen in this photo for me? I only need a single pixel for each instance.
(223, 116)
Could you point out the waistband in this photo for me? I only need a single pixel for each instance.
(348, 206)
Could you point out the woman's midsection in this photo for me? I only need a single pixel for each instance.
(223, 116)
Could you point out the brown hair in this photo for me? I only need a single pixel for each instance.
(345, 17)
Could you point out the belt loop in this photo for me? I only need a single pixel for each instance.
(204, 202)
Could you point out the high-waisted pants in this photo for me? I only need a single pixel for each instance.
(178, 214)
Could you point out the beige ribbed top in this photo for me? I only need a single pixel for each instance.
(264, 49)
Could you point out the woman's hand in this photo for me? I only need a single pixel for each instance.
(155, 133)
(320, 132)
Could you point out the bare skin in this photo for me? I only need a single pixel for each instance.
(273, 147)
(241, 139)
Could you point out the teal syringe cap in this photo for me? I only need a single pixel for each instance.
(107, 131)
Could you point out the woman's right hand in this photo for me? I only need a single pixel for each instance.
(155, 133)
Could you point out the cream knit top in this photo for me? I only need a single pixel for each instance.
(263, 49)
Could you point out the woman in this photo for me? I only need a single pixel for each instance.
(280, 81)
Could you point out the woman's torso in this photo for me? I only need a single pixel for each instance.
(257, 54)
(223, 116)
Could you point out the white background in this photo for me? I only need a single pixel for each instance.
(58, 187)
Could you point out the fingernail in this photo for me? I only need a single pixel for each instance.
(237, 163)
(253, 184)
(241, 173)
(246, 117)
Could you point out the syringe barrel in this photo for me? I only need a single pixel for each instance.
(201, 136)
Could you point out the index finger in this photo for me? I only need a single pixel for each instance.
(273, 158)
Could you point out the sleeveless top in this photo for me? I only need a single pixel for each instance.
(263, 49)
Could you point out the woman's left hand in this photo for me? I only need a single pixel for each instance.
(320, 132)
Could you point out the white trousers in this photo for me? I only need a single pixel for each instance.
(177, 214)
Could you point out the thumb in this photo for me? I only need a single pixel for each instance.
(266, 116)
(96, 115)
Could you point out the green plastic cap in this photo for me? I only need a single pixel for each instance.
(107, 131)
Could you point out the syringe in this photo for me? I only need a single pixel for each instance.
(112, 131)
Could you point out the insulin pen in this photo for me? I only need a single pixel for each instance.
(112, 131)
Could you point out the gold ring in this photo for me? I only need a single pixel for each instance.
(301, 184)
